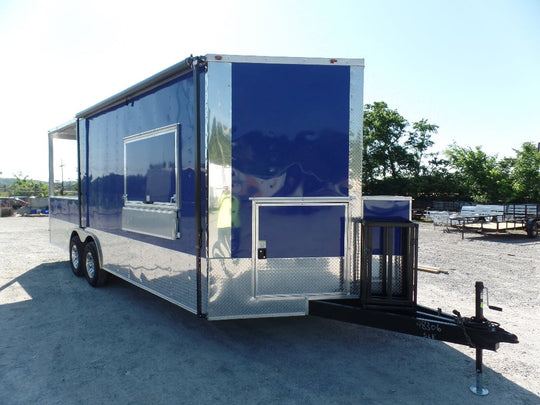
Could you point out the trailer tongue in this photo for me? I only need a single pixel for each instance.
(387, 281)
(420, 321)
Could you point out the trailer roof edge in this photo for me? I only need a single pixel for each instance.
(187, 65)
(285, 60)
(159, 78)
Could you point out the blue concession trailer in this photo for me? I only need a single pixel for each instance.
(223, 184)
(231, 186)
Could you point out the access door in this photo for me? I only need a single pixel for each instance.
(300, 246)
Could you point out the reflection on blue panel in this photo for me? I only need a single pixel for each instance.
(290, 134)
(378, 241)
(103, 151)
(387, 209)
(65, 209)
(302, 231)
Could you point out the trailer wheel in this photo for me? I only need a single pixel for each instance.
(532, 228)
(75, 255)
(93, 272)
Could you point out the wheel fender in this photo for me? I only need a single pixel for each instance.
(87, 236)
(74, 233)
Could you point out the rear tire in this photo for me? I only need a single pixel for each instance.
(75, 255)
(93, 272)
(532, 229)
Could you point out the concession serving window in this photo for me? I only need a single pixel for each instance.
(151, 182)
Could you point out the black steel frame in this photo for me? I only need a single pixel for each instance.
(399, 312)
(397, 267)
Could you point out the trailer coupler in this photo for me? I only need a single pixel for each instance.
(476, 332)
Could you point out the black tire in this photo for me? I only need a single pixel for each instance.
(76, 255)
(92, 270)
(532, 228)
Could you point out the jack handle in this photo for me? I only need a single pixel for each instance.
(493, 307)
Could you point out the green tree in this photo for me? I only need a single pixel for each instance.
(394, 151)
(525, 176)
(437, 182)
(396, 161)
(484, 178)
(418, 142)
(25, 187)
(219, 147)
(383, 153)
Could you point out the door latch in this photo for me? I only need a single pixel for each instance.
(261, 253)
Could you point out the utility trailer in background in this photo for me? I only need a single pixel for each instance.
(231, 186)
(498, 218)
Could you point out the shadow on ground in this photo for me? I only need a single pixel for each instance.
(65, 342)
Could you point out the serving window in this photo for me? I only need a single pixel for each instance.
(151, 182)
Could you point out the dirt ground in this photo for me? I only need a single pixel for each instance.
(63, 342)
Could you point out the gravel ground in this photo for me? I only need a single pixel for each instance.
(63, 342)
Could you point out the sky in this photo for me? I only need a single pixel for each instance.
(470, 67)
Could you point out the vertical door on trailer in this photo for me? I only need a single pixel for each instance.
(299, 246)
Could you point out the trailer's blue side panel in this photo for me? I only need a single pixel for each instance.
(103, 144)
(290, 128)
(64, 217)
(64, 209)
